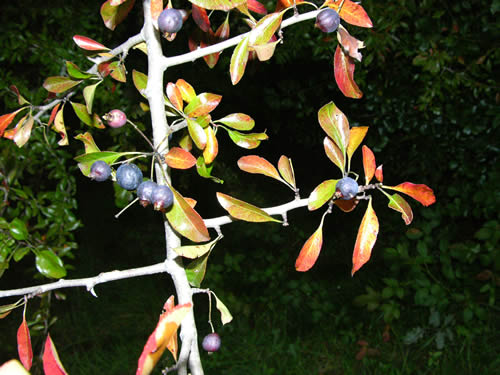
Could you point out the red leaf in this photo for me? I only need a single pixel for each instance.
(88, 44)
(179, 158)
(420, 192)
(343, 67)
(257, 7)
(368, 163)
(20, 99)
(367, 235)
(24, 344)
(201, 18)
(352, 13)
(51, 363)
(5, 120)
(258, 165)
(53, 113)
(311, 249)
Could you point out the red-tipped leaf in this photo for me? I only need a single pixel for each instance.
(258, 165)
(419, 192)
(88, 44)
(379, 174)
(369, 165)
(51, 363)
(398, 203)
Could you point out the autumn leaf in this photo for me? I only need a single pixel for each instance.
(258, 165)
(187, 91)
(335, 124)
(350, 44)
(179, 158)
(162, 336)
(286, 170)
(212, 147)
(398, 203)
(356, 136)
(244, 211)
(351, 12)
(24, 348)
(367, 236)
(343, 68)
(321, 194)
(368, 163)
(311, 249)
(51, 363)
(379, 174)
(239, 60)
(419, 192)
(88, 44)
(334, 154)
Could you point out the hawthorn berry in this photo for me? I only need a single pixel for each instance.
(328, 20)
(116, 118)
(145, 192)
(348, 188)
(162, 197)
(100, 171)
(211, 342)
(129, 176)
(170, 21)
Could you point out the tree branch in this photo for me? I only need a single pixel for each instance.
(91, 282)
(200, 52)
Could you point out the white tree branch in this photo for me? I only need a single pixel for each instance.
(91, 282)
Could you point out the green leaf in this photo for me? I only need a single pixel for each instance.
(185, 220)
(398, 203)
(82, 114)
(88, 142)
(6, 309)
(118, 71)
(225, 315)
(75, 72)
(50, 265)
(239, 60)
(195, 271)
(238, 121)
(244, 211)
(265, 29)
(218, 4)
(335, 125)
(85, 161)
(205, 170)
(88, 95)
(321, 194)
(140, 81)
(20, 253)
(195, 251)
(114, 15)
(18, 229)
(197, 133)
(59, 84)
(248, 141)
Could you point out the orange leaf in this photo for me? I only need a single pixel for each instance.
(352, 13)
(282, 4)
(258, 165)
(51, 363)
(24, 344)
(368, 163)
(379, 174)
(162, 336)
(179, 158)
(311, 249)
(343, 68)
(419, 192)
(257, 7)
(356, 136)
(212, 148)
(175, 96)
(5, 120)
(367, 235)
(187, 91)
(156, 8)
(53, 113)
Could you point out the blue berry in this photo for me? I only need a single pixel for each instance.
(145, 192)
(170, 21)
(162, 197)
(100, 171)
(211, 342)
(347, 187)
(129, 176)
(328, 20)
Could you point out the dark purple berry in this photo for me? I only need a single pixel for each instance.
(145, 192)
(100, 171)
(211, 342)
(347, 187)
(116, 118)
(328, 20)
(129, 176)
(162, 197)
(170, 21)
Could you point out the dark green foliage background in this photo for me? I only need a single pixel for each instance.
(431, 99)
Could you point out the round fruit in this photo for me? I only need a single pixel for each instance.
(129, 176)
(162, 197)
(347, 187)
(100, 171)
(145, 192)
(170, 21)
(211, 342)
(328, 20)
(116, 118)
